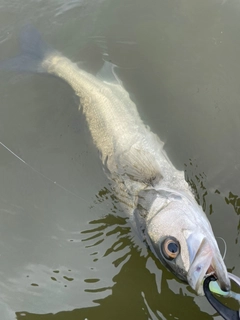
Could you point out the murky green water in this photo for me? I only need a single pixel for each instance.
(66, 249)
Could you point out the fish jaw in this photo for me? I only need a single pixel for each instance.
(205, 260)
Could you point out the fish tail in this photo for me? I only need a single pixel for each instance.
(34, 51)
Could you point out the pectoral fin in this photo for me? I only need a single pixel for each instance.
(140, 165)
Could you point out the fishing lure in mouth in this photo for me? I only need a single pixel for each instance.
(210, 286)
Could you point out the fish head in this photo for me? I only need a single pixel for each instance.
(181, 236)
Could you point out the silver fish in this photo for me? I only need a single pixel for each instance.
(154, 194)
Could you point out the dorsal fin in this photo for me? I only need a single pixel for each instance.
(108, 74)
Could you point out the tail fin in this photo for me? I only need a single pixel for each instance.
(33, 52)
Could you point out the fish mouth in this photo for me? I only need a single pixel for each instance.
(211, 272)
(205, 260)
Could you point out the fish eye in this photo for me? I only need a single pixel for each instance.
(170, 248)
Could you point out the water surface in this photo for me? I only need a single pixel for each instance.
(67, 250)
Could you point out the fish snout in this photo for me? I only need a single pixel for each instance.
(205, 259)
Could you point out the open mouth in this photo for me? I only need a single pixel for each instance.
(210, 272)
(205, 261)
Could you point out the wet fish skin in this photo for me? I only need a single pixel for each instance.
(152, 191)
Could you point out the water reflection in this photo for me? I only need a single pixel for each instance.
(196, 182)
(133, 284)
(234, 201)
(135, 294)
(211, 199)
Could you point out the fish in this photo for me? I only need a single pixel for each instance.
(160, 204)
